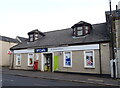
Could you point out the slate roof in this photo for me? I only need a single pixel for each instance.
(22, 39)
(7, 39)
(64, 37)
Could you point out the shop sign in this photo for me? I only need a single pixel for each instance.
(40, 50)
(73, 48)
(24, 51)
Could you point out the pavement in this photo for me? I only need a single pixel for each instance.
(103, 81)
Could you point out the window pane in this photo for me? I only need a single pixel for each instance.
(89, 59)
(79, 28)
(86, 29)
(80, 33)
(18, 59)
(31, 35)
(67, 59)
(31, 39)
(30, 59)
(36, 35)
(36, 38)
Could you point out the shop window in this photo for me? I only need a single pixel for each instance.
(18, 59)
(89, 60)
(67, 59)
(30, 59)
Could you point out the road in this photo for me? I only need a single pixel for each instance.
(11, 80)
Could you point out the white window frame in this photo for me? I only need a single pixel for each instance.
(65, 58)
(85, 64)
(18, 55)
(29, 60)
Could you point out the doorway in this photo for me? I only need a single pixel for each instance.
(48, 62)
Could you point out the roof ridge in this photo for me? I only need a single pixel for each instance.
(57, 30)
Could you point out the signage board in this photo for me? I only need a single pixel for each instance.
(73, 48)
(40, 50)
(24, 51)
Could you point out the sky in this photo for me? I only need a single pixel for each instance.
(18, 17)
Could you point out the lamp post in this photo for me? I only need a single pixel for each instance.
(112, 41)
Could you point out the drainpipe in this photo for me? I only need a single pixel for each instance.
(100, 59)
(112, 41)
(12, 61)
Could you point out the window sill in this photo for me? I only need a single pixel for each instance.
(89, 67)
(67, 66)
(30, 65)
(18, 65)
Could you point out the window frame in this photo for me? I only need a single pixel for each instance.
(64, 65)
(32, 59)
(93, 55)
(18, 60)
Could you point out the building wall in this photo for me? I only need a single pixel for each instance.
(4, 49)
(78, 61)
(105, 58)
(24, 62)
(117, 26)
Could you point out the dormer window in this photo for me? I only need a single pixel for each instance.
(81, 29)
(35, 35)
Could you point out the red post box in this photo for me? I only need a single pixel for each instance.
(36, 65)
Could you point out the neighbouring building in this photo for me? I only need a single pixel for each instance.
(119, 5)
(83, 48)
(116, 30)
(117, 45)
(5, 44)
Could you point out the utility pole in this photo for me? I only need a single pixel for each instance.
(112, 41)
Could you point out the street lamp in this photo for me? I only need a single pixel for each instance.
(112, 41)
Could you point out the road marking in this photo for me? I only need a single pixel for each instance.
(95, 80)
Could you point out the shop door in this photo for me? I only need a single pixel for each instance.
(48, 62)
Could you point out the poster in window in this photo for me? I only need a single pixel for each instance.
(89, 59)
(67, 59)
(18, 59)
(30, 60)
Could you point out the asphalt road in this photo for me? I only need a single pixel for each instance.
(11, 80)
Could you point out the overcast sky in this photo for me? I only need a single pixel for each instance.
(18, 17)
